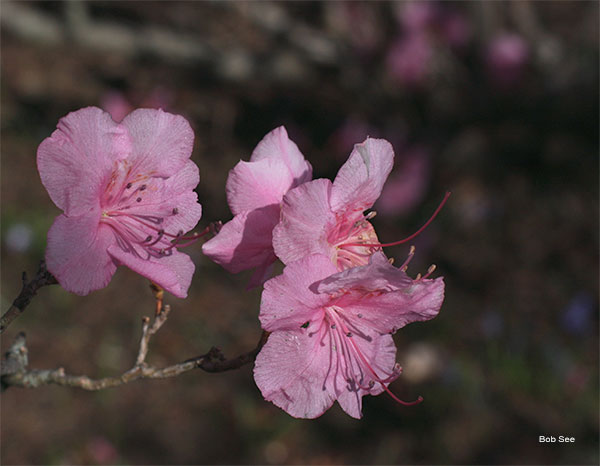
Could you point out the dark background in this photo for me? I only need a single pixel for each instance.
(494, 101)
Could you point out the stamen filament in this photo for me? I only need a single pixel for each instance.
(417, 233)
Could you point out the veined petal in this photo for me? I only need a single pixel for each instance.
(360, 180)
(305, 217)
(172, 272)
(76, 253)
(277, 145)
(74, 162)
(252, 185)
(287, 302)
(380, 352)
(162, 142)
(383, 296)
(245, 242)
(293, 371)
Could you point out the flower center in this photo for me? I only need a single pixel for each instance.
(354, 243)
(133, 209)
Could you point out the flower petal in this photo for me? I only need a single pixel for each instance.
(380, 352)
(77, 253)
(385, 297)
(75, 160)
(292, 371)
(252, 185)
(173, 273)
(360, 180)
(162, 142)
(277, 145)
(245, 242)
(287, 302)
(305, 217)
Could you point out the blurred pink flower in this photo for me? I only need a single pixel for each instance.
(102, 450)
(254, 193)
(327, 218)
(408, 59)
(126, 191)
(506, 58)
(119, 106)
(332, 332)
(116, 104)
(407, 184)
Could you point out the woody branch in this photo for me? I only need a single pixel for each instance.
(15, 372)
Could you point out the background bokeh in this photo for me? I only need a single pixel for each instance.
(494, 101)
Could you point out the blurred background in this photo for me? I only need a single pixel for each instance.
(494, 101)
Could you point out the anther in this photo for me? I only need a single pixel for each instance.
(430, 270)
(418, 277)
(360, 316)
(391, 260)
(333, 327)
(349, 334)
(370, 215)
(128, 186)
(175, 211)
(139, 199)
(371, 383)
(148, 238)
(142, 187)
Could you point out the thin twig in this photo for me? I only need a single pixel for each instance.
(42, 278)
(15, 372)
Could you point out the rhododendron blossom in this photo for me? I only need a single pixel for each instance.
(332, 332)
(126, 191)
(327, 218)
(254, 193)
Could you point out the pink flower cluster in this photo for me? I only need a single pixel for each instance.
(126, 192)
(332, 311)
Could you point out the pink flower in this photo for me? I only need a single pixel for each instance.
(321, 217)
(332, 332)
(254, 193)
(126, 191)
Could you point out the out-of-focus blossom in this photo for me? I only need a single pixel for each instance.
(352, 129)
(408, 59)
(332, 332)
(415, 16)
(506, 58)
(328, 218)
(577, 316)
(18, 237)
(126, 191)
(254, 193)
(407, 183)
(102, 450)
(454, 29)
(119, 106)
(116, 104)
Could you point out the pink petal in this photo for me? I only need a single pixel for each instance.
(245, 242)
(76, 253)
(277, 145)
(252, 185)
(75, 160)
(384, 297)
(292, 371)
(380, 352)
(359, 182)
(287, 301)
(305, 217)
(173, 273)
(162, 142)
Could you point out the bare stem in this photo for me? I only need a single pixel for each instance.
(15, 373)
(42, 278)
